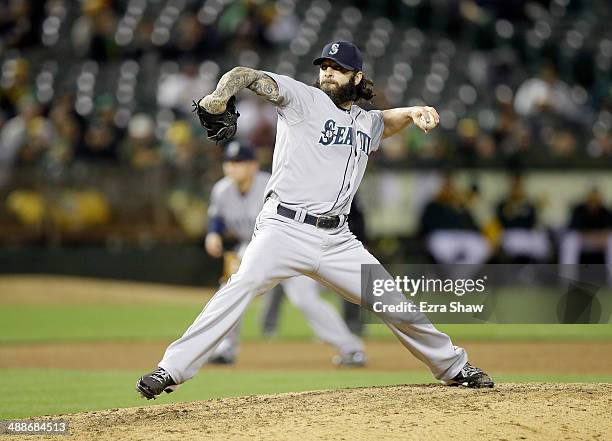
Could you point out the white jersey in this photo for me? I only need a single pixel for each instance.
(321, 151)
(238, 210)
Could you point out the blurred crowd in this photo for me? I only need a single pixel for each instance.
(43, 124)
(538, 119)
(453, 229)
(540, 125)
(110, 82)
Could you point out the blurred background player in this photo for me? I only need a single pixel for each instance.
(450, 231)
(522, 241)
(235, 202)
(588, 238)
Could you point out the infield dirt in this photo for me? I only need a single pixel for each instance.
(536, 411)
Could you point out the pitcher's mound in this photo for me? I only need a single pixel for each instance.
(532, 411)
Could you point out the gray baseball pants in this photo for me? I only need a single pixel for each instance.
(282, 248)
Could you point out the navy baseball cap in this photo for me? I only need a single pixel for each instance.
(235, 151)
(344, 53)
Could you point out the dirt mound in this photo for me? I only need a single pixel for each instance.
(531, 411)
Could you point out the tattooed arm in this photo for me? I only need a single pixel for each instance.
(234, 81)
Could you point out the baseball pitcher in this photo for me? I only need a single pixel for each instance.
(323, 143)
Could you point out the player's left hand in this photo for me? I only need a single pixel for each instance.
(424, 117)
(219, 126)
(214, 244)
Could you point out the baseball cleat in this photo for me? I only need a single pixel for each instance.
(471, 376)
(222, 359)
(351, 359)
(153, 384)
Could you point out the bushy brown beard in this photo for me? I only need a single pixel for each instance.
(341, 94)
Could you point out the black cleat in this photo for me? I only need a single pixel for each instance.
(153, 384)
(352, 359)
(471, 376)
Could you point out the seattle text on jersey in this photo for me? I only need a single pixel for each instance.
(333, 134)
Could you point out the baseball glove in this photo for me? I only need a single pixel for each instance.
(231, 263)
(219, 127)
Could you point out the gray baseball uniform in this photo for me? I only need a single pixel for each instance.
(321, 151)
(239, 212)
(320, 156)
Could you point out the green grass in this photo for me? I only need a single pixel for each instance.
(31, 392)
(103, 322)
(30, 324)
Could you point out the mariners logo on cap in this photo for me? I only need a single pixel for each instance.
(349, 57)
